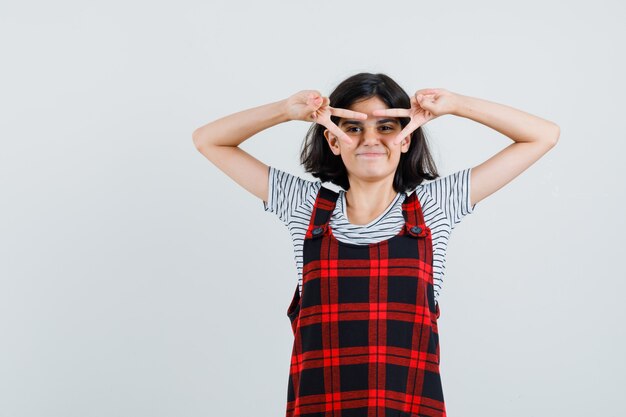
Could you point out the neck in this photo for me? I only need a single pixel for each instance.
(367, 200)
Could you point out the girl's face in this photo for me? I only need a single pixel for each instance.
(372, 155)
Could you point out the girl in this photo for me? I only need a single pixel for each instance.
(371, 255)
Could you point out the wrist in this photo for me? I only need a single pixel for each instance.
(461, 104)
(283, 111)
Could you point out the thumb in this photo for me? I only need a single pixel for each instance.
(425, 102)
(317, 101)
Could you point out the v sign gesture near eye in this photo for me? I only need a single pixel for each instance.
(309, 105)
(426, 105)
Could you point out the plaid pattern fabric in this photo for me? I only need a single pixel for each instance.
(365, 326)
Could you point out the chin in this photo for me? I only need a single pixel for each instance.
(373, 174)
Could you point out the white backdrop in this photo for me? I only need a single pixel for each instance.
(136, 279)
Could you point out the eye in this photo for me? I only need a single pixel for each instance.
(351, 129)
(385, 127)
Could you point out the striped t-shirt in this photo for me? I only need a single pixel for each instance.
(444, 201)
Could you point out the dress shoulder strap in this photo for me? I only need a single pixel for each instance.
(413, 216)
(322, 210)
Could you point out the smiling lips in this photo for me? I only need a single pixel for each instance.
(371, 154)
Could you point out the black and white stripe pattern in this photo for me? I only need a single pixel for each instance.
(445, 201)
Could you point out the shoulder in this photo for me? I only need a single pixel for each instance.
(448, 182)
(288, 192)
(449, 194)
(291, 184)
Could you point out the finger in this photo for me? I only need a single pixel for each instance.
(347, 113)
(314, 97)
(341, 135)
(392, 112)
(429, 96)
(408, 129)
(426, 91)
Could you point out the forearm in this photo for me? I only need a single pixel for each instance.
(233, 129)
(516, 124)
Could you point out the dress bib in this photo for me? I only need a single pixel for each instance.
(365, 325)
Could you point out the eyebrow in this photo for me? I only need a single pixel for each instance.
(358, 123)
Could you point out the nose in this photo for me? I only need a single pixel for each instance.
(370, 134)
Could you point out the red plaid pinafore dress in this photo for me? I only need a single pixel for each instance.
(365, 326)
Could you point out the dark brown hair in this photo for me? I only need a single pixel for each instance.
(414, 166)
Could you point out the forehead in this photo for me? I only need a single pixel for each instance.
(367, 106)
(378, 120)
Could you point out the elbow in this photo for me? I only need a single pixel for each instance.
(556, 134)
(551, 136)
(201, 144)
(195, 137)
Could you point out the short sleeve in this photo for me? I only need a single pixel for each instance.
(452, 195)
(286, 192)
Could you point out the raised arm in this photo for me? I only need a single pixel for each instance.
(533, 136)
(219, 140)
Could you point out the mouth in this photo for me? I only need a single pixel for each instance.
(371, 154)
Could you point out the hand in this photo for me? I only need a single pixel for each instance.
(426, 104)
(310, 106)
